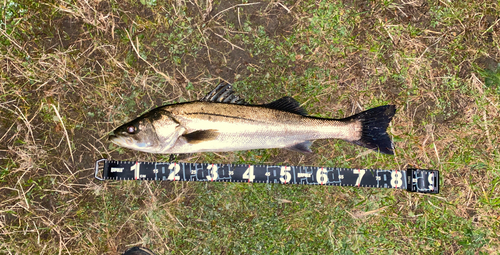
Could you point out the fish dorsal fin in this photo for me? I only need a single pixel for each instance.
(223, 93)
(287, 104)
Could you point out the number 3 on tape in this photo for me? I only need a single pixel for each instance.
(213, 172)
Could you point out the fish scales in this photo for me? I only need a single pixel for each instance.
(223, 122)
(249, 127)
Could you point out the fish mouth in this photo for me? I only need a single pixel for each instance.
(129, 142)
(119, 140)
(112, 137)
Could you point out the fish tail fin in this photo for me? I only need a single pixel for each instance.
(374, 124)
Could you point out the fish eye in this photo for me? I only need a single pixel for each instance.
(131, 129)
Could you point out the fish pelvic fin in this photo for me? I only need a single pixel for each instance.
(374, 123)
(201, 136)
(303, 147)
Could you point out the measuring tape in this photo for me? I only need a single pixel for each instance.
(414, 180)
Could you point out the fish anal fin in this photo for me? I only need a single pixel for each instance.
(287, 104)
(201, 136)
(303, 147)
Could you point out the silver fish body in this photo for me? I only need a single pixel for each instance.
(215, 125)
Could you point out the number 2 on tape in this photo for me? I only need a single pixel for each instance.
(172, 176)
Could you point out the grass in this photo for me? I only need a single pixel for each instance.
(71, 71)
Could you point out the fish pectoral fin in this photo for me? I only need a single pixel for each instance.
(301, 147)
(201, 136)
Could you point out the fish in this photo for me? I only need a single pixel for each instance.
(222, 121)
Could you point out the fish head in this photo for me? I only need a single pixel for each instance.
(154, 132)
(139, 134)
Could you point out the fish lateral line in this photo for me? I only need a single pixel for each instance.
(221, 115)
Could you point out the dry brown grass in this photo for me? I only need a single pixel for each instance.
(72, 71)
